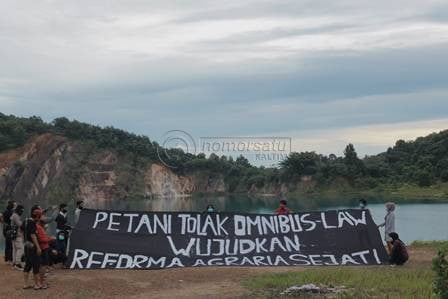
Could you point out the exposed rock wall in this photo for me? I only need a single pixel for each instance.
(98, 184)
(51, 168)
(27, 171)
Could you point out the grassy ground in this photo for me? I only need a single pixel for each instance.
(413, 280)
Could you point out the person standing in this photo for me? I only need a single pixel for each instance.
(389, 224)
(17, 239)
(283, 208)
(79, 207)
(363, 233)
(362, 204)
(61, 219)
(32, 250)
(6, 229)
(210, 209)
(44, 244)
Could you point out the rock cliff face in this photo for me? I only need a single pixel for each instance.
(27, 172)
(51, 168)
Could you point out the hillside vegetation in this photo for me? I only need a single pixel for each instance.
(420, 165)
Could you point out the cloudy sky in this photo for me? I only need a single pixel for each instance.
(322, 72)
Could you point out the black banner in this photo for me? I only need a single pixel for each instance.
(157, 240)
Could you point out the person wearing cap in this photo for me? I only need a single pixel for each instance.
(79, 207)
(282, 209)
(399, 255)
(32, 250)
(44, 244)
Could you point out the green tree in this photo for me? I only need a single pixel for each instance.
(355, 166)
(305, 163)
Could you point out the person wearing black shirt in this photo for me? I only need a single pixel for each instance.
(6, 227)
(32, 250)
(61, 219)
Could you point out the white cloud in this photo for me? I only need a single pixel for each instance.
(240, 68)
(368, 140)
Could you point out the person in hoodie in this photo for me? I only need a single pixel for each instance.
(389, 224)
(399, 254)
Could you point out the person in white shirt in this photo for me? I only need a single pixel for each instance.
(389, 224)
(17, 242)
(79, 207)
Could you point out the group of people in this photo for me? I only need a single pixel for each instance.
(29, 246)
(398, 254)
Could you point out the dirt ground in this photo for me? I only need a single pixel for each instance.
(171, 283)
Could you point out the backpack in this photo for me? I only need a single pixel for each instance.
(12, 232)
(28, 244)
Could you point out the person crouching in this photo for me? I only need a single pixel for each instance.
(399, 255)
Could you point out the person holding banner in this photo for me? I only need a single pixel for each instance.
(61, 219)
(362, 204)
(389, 225)
(79, 207)
(210, 209)
(282, 209)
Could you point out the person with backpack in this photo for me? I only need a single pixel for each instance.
(16, 235)
(32, 250)
(6, 229)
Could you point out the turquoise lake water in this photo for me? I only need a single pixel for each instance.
(414, 221)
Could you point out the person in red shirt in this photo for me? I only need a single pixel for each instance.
(282, 209)
(44, 244)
